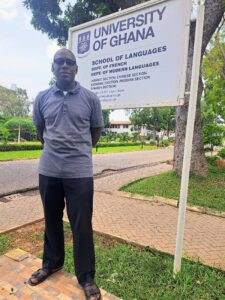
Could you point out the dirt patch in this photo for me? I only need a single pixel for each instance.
(30, 238)
(25, 238)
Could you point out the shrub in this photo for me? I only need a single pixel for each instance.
(27, 129)
(213, 135)
(221, 153)
(20, 147)
(152, 143)
(4, 135)
(116, 144)
(171, 139)
(212, 160)
(164, 143)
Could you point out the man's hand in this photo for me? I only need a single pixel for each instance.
(95, 135)
(40, 131)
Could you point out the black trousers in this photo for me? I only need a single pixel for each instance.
(78, 193)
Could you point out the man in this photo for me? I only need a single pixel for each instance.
(68, 118)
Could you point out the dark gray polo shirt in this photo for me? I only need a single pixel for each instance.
(67, 120)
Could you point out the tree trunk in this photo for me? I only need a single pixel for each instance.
(168, 130)
(214, 10)
(18, 138)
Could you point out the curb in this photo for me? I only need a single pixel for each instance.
(21, 226)
(171, 202)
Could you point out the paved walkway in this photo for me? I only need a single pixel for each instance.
(15, 269)
(148, 223)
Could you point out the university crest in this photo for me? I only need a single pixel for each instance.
(83, 44)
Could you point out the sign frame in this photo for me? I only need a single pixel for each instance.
(182, 78)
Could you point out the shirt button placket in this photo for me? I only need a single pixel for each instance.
(64, 105)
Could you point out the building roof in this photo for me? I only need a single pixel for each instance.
(120, 123)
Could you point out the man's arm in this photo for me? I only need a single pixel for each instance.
(40, 131)
(95, 135)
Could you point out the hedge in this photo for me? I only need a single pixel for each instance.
(35, 146)
(20, 147)
(117, 144)
(221, 153)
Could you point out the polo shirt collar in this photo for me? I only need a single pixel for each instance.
(74, 91)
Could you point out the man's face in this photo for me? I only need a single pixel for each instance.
(64, 67)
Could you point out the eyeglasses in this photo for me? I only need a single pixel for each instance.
(62, 61)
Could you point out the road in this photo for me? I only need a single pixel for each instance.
(22, 174)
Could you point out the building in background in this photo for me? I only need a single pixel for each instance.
(126, 126)
(120, 127)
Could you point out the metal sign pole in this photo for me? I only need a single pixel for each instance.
(189, 138)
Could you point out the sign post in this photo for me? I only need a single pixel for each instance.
(189, 138)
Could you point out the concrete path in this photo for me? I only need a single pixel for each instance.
(15, 269)
(149, 223)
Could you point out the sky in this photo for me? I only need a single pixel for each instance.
(26, 54)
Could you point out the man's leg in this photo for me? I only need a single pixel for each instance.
(52, 196)
(79, 202)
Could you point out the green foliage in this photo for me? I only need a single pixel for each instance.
(124, 137)
(4, 244)
(213, 104)
(152, 143)
(117, 144)
(3, 119)
(4, 135)
(106, 113)
(13, 103)
(213, 135)
(134, 136)
(212, 160)
(142, 273)
(13, 155)
(142, 116)
(17, 155)
(213, 69)
(164, 143)
(54, 17)
(24, 125)
(221, 153)
(154, 118)
(20, 147)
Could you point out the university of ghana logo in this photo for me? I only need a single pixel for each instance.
(83, 44)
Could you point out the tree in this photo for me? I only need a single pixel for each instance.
(48, 17)
(13, 103)
(106, 114)
(22, 127)
(168, 119)
(213, 70)
(54, 18)
(213, 132)
(155, 119)
(213, 104)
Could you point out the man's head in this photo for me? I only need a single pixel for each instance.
(64, 68)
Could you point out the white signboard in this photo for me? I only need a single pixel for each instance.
(136, 57)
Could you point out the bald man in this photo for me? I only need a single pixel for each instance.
(69, 119)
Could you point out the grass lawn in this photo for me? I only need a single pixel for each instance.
(206, 191)
(122, 149)
(133, 273)
(11, 155)
(130, 272)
